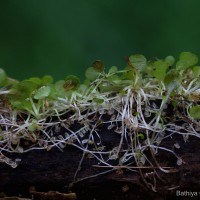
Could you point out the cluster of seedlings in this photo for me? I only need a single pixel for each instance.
(143, 104)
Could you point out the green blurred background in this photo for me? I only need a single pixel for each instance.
(62, 37)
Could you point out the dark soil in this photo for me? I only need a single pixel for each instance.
(54, 170)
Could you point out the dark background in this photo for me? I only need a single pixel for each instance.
(62, 37)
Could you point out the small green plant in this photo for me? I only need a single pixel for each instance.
(135, 100)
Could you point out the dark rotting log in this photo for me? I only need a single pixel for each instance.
(54, 170)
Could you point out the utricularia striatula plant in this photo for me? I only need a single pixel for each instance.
(134, 103)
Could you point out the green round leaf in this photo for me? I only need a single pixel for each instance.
(91, 73)
(114, 78)
(170, 60)
(42, 92)
(98, 100)
(186, 59)
(113, 70)
(35, 80)
(21, 104)
(196, 71)
(160, 69)
(171, 76)
(138, 61)
(58, 89)
(25, 88)
(82, 88)
(47, 80)
(195, 112)
(3, 77)
(128, 73)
